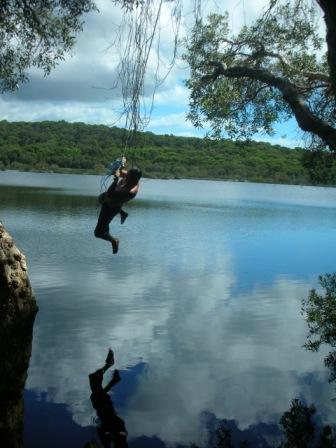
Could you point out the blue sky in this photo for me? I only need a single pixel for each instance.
(80, 88)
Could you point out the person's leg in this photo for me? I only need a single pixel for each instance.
(96, 381)
(96, 378)
(115, 379)
(123, 216)
(109, 361)
(102, 229)
(103, 225)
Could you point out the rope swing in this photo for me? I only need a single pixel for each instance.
(143, 66)
(145, 60)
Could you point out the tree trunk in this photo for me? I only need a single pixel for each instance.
(18, 310)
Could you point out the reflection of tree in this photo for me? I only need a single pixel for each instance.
(297, 425)
(298, 430)
(223, 438)
(320, 311)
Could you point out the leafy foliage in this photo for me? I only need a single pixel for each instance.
(298, 429)
(242, 84)
(321, 166)
(36, 33)
(320, 314)
(77, 147)
(297, 425)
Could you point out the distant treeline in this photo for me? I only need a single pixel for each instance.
(78, 147)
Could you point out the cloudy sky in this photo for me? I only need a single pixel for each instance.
(81, 88)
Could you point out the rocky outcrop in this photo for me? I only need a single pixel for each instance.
(17, 314)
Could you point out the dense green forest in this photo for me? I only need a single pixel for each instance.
(78, 147)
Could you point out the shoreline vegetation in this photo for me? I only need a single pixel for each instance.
(79, 148)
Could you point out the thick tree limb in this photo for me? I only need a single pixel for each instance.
(306, 120)
(317, 76)
(236, 45)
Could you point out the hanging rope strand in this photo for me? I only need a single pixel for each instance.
(142, 67)
(139, 72)
(141, 26)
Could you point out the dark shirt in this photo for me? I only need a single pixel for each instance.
(117, 194)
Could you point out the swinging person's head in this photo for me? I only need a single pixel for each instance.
(133, 176)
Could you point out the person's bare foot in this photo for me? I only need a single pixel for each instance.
(115, 245)
(123, 217)
(109, 361)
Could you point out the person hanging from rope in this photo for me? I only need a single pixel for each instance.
(112, 429)
(123, 189)
(118, 167)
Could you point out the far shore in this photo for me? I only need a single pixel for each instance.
(101, 173)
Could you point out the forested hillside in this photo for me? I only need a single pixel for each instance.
(78, 147)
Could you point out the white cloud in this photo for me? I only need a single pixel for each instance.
(93, 113)
(174, 123)
(282, 141)
(170, 120)
(176, 96)
(93, 61)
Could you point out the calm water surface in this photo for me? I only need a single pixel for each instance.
(201, 305)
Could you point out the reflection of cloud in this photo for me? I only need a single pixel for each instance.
(73, 332)
(205, 350)
(241, 361)
(211, 340)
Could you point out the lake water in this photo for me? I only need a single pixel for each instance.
(201, 305)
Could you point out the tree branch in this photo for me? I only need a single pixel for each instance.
(312, 76)
(306, 120)
(36, 19)
(318, 76)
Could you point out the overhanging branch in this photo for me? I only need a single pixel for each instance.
(313, 76)
(306, 120)
(263, 53)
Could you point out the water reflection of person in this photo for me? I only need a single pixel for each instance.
(111, 430)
